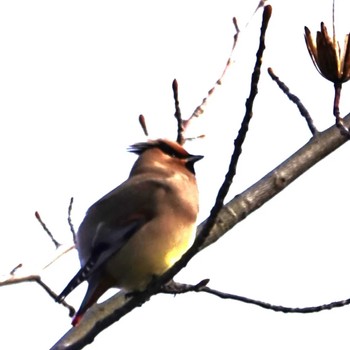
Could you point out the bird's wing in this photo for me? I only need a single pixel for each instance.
(108, 228)
(102, 251)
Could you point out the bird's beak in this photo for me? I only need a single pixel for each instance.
(192, 159)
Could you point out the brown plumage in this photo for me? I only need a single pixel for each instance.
(141, 228)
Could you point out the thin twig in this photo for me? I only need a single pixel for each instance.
(337, 89)
(62, 251)
(57, 244)
(70, 222)
(13, 271)
(142, 121)
(179, 288)
(12, 279)
(240, 138)
(303, 111)
(210, 222)
(180, 127)
(277, 308)
(53, 295)
(202, 136)
(336, 110)
(200, 109)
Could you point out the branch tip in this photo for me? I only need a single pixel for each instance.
(302, 109)
(45, 228)
(142, 121)
(180, 139)
(70, 222)
(13, 271)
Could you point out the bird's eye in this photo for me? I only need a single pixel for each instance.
(169, 150)
(173, 151)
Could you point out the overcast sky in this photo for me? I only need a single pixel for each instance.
(75, 75)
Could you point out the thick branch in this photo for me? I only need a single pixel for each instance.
(319, 147)
(103, 315)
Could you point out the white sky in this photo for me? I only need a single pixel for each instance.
(75, 75)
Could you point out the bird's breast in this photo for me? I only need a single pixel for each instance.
(150, 252)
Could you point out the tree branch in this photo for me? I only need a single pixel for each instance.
(103, 315)
(303, 111)
(46, 229)
(13, 279)
(319, 147)
(180, 288)
(70, 222)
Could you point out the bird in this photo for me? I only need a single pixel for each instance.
(141, 228)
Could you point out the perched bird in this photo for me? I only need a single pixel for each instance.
(141, 228)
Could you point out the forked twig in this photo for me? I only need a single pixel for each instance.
(13, 279)
(200, 109)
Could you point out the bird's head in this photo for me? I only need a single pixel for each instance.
(163, 153)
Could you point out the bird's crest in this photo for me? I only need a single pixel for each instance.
(170, 148)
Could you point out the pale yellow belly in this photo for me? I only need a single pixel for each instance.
(147, 254)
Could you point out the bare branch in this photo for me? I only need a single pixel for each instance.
(319, 147)
(103, 315)
(277, 308)
(53, 295)
(240, 138)
(142, 121)
(336, 111)
(100, 316)
(85, 333)
(57, 245)
(12, 279)
(179, 288)
(303, 111)
(61, 252)
(13, 271)
(173, 287)
(200, 109)
(180, 127)
(70, 223)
